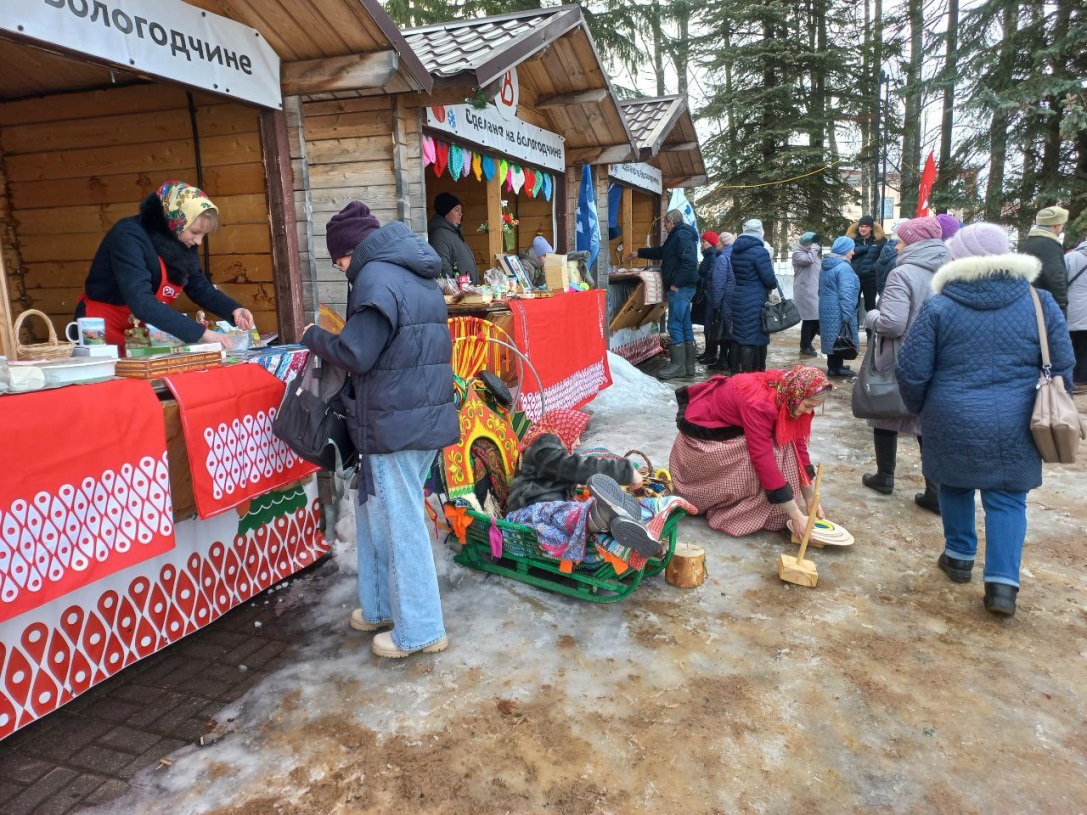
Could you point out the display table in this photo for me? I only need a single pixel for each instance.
(101, 560)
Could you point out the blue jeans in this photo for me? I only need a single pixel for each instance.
(1005, 530)
(397, 578)
(680, 329)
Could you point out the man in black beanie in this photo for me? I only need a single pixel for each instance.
(445, 235)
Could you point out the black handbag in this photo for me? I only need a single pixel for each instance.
(844, 346)
(875, 393)
(779, 316)
(312, 417)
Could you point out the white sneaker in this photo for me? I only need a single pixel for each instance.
(359, 623)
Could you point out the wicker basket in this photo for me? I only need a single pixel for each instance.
(54, 349)
(656, 482)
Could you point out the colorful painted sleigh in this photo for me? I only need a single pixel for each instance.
(494, 545)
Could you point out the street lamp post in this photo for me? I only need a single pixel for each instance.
(885, 86)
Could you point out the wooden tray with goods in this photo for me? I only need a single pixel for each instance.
(155, 367)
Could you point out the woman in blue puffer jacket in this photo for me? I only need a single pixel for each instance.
(969, 367)
(755, 278)
(839, 288)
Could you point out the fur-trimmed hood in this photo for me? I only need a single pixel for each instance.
(877, 231)
(181, 261)
(966, 270)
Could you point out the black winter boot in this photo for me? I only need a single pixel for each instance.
(930, 498)
(886, 444)
(709, 356)
(678, 365)
(692, 351)
(1000, 599)
(746, 358)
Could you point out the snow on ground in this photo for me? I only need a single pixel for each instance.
(886, 688)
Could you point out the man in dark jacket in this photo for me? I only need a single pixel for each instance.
(679, 271)
(397, 350)
(701, 310)
(868, 240)
(446, 236)
(1044, 242)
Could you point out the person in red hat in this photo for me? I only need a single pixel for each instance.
(702, 311)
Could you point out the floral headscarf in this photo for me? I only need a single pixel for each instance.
(567, 424)
(786, 389)
(182, 204)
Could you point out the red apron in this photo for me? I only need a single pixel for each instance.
(116, 317)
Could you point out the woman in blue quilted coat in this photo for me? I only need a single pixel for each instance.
(839, 289)
(969, 367)
(754, 271)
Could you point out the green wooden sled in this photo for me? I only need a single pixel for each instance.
(523, 560)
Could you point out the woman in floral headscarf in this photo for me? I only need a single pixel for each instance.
(548, 475)
(742, 450)
(146, 261)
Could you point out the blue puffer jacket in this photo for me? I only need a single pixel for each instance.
(721, 289)
(838, 290)
(969, 367)
(404, 399)
(754, 278)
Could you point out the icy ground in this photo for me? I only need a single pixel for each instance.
(886, 688)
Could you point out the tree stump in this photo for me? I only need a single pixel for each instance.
(687, 569)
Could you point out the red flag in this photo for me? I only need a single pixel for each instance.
(928, 178)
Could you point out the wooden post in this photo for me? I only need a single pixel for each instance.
(494, 221)
(7, 335)
(628, 223)
(279, 177)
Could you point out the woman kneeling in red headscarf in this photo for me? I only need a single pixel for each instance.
(549, 473)
(742, 450)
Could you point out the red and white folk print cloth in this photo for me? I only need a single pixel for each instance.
(85, 490)
(227, 414)
(565, 338)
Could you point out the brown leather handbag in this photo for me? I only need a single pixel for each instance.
(1055, 423)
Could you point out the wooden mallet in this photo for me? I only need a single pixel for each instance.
(796, 569)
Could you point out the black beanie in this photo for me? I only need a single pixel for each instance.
(444, 202)
(866, 220)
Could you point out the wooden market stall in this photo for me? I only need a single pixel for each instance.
(560, 114)
(145, 510)
(671, 158)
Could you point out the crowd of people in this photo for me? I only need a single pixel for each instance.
(949, 309)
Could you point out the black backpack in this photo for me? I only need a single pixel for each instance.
(312, 418)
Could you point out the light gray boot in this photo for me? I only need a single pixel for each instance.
(678, 365)
(692, 352)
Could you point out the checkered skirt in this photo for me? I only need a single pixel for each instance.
(719, 478)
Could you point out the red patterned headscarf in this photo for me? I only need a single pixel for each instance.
(567, 424)
(785, 390)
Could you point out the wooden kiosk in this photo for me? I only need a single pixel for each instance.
(671, 158)
(125, 536)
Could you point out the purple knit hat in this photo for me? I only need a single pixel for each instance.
(977, 240)
(949, 225)
(348, 228)
(918, 229)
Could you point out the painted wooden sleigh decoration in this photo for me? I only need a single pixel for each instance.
(483, 357)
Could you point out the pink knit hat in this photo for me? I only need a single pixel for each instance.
(977, 240)
(918, 229)
(727, 238)
(949, 225)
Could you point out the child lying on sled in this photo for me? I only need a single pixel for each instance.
(542, 493)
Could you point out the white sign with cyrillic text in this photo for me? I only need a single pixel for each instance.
(164, 38)
(514, 138)
(643, 176)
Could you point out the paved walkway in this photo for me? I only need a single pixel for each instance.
(87, 752)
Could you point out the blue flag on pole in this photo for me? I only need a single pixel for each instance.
(588, 224)
(679, 201)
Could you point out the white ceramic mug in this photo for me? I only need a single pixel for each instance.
(89, 331)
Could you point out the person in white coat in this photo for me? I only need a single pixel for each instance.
(1075, 263)
(806, 265)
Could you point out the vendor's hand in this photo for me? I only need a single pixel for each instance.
(243, 319)
(212, 336)
(637, 482)
(631, 257)
(307, 328)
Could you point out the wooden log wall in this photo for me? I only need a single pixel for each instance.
(77, 163)
(648, 229)
(347, 155)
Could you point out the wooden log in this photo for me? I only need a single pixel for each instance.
(285, 243)
(348, 73)
(687, 569)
